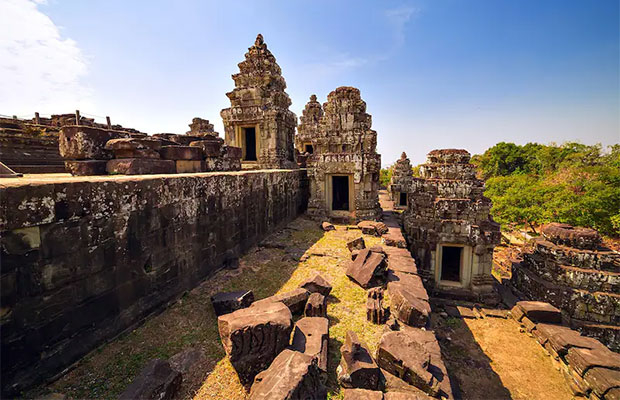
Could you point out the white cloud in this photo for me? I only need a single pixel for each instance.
(39, 69)
(398, 18)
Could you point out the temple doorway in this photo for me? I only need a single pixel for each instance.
(402, 199)
(249, 142)
(340, 193)
(451, 261)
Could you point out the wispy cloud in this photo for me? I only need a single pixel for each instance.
(399, 18)
(39, 69)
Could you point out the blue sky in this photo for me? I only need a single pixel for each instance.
(434, 73)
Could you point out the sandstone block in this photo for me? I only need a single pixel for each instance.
(240, 332)
(362, 394)
(316, 306)
(356, 244)
(139, 166)
(375, 312)
(311, 337)
(291, 376)
(407, 305)
(232, 152)
(295, 300)
(227, 302)
(567, 235)
(136, 153)
(136, 144)
(210, 148)
(373, 228)
(368, 269)
(326, 226)
(581, 359)
(85, 142)
(86, 167)
(404, 355)
(189, 166)
(357, 368)
(317, 284)
(394, 239)
(602, 381)
(539, 311)
(402, 264)
(158, 380)
(181, 153)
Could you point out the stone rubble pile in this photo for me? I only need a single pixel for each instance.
(98, 151)
(569, 268)
(590, 368)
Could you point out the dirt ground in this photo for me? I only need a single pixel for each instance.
(488, 358)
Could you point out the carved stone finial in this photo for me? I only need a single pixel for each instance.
(313, 97)
(259, 40)
(403, 156)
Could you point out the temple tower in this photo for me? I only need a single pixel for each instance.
(309, 126)
(448, 225)
(259, 120)
(400, 182)
(344, 178)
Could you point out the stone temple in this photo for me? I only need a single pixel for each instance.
(400, 182)
(171, 217)
(448, 224)
(344, 166)
(259, 120)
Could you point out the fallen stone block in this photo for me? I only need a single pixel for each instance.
(136, 153)
(528, 324)
(182, 140)
(136, 144)
(375, 312)
(77, 142)
(412, 282)
(232, 152)
(271, 322)
(139, 166)
(227, 302)
(373, 228)
(402, 264)
(407, 305)
(567, 235)
(544, 331)
(354, 254)
(326, 226)
(413, 355)
(561, 341)
(292, 375)
(581, 359)
(602, 381)
(362, 394)
(189, 166)
(316, 306)
(368, 269)
(357, 368)
(181, 153)
(311, 337)
(186, 359)
(295, 300)
(394, 239)
(494, 313)
(87, 167)
(406, 396)
(210, 148)
(356, 244)
(539, 311)
(317, 284)
(158, 380)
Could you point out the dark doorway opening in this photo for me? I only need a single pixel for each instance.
(451, 263)
(402, 200)
(309, 149)
(250, 144)
(340, 193)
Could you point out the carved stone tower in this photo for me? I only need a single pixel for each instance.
(400, 182)
(259, 120)
(308, 130)
(344, 178)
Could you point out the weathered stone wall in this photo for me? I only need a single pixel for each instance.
(569, 268)
(84, 259)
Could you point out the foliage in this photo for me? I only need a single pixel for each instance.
(385, 175)
(571, 183)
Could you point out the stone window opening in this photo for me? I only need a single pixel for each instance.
(308, 148)
(249, 144)
(340, 193)
(451, 261)
(402, 199)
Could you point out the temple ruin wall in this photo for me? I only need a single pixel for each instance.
(86, 258)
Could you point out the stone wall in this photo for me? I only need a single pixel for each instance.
(569, 268)
(84, 259)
